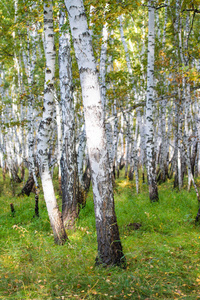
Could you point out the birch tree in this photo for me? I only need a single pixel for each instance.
(31, 141)
(109, 245)
(153, 191)
(69, 172)
(45, 128)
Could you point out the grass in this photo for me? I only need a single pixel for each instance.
(162, 255)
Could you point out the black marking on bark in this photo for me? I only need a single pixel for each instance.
(85, 34)
(78, 17)
(51, 86)
(40, 152)
(48, 120)
(49, 89)
(88, 70)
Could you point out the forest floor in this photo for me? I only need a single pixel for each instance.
(163, 254)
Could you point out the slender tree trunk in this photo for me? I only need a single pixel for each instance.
(153, 191)
(102, 66)
(109, 245)
(136, 162)
(80, 159)
(45, 129)
(59, 141)
(115, 139)
(31, 142)
(69, 171)
(127, 142)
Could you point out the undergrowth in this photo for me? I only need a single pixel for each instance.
(162, 253)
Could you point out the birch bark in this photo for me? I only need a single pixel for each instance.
(109, 245)
(31, 143)
(45, 128)
(153, 191)
(59, 140)
(69, 172)
(82, 175)
(102, 66)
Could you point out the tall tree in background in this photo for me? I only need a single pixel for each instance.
(31, 142)
(46, 127)
(69, 171)
(150, 156)
(109, 245)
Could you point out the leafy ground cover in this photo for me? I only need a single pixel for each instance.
(162, 250)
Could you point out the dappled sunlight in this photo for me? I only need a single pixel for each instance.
(124, 183)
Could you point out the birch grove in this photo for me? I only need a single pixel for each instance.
(123, 100)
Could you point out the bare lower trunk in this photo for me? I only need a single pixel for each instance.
(70, 209)
(36, 205)
(27, 188)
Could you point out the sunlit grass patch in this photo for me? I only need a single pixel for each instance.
(162, 253)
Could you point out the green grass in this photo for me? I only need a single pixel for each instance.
(162, 255)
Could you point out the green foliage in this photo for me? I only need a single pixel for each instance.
(162, 255)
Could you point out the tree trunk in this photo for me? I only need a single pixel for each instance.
(31, 142)
(109, 245)
(44, 131)
(153, 191)
(27, 188)
(69, 169)
(80, 158)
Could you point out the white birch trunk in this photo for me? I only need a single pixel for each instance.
(127, 141)
(102, 66)
(115, 139)
(30, 72)
(45, 128)
(153, 192)
(80, 156)
(109, 245)
(136, 161)
(59, 139)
